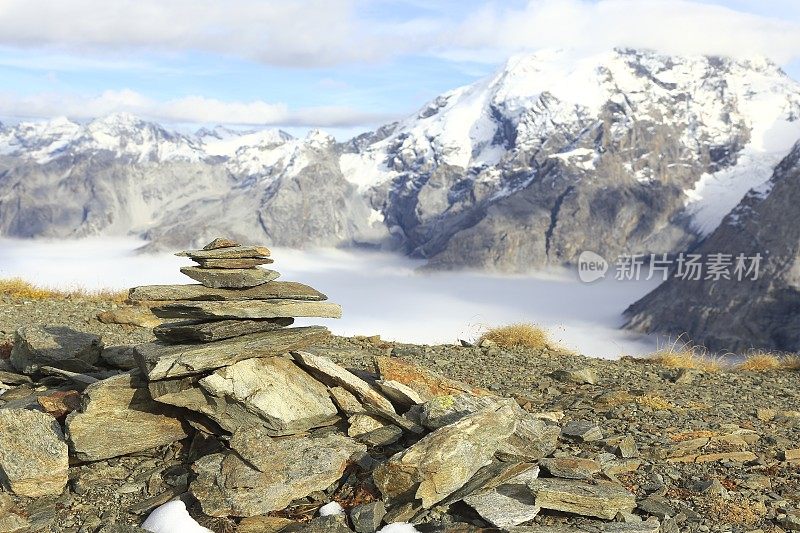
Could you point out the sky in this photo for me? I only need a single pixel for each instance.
(344, 66)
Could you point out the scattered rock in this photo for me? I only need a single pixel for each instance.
(602, 500)
(570, 467)
(367, 518)
(509, 504)
(361, 423)
(443, 410)
(582, 431)
(441, 462)
(580, 376)
(55, 346)
(533, 438)
(122, 357)
(33, 453)
(60, 403)
(426, 383)
(139, 316)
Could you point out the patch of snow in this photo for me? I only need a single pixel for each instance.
(331, 509)
(375, 217)
(172, 517)
(399, 527)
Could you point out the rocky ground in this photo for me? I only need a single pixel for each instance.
(698, 451)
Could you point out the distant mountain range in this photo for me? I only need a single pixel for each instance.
(622, 152)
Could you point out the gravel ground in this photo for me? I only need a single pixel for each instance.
(664, 411)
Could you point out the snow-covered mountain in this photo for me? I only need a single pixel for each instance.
(625, 151)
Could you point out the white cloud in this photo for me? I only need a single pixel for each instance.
(190, 109)
(303, 33)
(673, 26)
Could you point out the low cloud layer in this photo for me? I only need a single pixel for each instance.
(190, 109)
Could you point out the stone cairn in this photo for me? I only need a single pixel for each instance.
(274, 431)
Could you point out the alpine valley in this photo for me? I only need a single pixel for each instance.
(627, 151)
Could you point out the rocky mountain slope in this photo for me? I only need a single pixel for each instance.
(554, 154)
(729, 314)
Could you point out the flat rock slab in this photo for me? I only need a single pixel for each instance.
(234, 263)
(443, 461)
(271, 392)
(426, 383)
(33, 453)
(233, 278)
(570, 467)
(200, 331)
(578, 497)
(274, 290)
(248, 309)
(509, 504)
(54, 346)
(330, 372)
(533, 438)
(443, 410)
(158, 360)
(119, 417)
(226, 252)
(220, 242)
(266, 474)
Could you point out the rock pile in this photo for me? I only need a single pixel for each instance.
(271, 428)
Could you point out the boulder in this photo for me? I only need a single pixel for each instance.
(271, 392)
(54, 346)
(158, 360)
(266, 474)
(533, 438)
(443, 410)
(508, 504)
(33, 453)
(443, 461)
(247, 309)
(118, 417)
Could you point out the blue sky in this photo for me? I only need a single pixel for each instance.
(342, 65)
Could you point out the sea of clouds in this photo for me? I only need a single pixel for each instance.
(380, 293)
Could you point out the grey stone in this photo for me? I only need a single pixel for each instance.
(122, 357)
(54, 346)
(220, 242)
(443, 410)
(226, 252)
(248, 309)
(657, 506)
(399, 393)
(119, 417)
(648, 526)
(121, 528)
(33, 453)
(234, 263)
(346, 401)
(533, 438)
(581, 431)
(443, 461)
(578, 497)
(330, 372)
(266, 474)
(570, 467)
(367, 517)
(160, 361)
(320, 524)
(272, 392)
(274, 290)
(509, 504)
(233, 278)
(627, 448)
(383, 436)
(580, 376)
(204, 331)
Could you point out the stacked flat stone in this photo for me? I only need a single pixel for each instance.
(232, 325)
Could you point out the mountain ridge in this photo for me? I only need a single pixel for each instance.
(555, 153)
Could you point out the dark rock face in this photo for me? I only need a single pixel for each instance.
(737, 315)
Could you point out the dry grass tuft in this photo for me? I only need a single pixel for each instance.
(790, 362)
(686, 355)
(760, 362)
(518, 336)
(654, 402)
(735, 510)
(19, 289)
